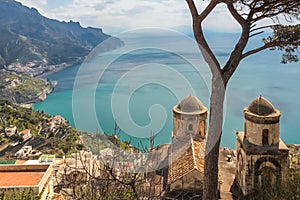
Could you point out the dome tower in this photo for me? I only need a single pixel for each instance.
(189, 116)
(261, 124)
(262, 157)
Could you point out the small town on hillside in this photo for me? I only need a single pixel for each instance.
(18, 143)
(260, 155)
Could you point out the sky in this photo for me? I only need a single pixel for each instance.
(116, 16)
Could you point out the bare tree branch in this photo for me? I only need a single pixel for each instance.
(253, 51)
(208, 55)
(259, 28)
(266, 46)
(193, 9)
(254, 34)
(235, 14)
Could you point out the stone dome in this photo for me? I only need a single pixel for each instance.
(191, 104)
(261, 106)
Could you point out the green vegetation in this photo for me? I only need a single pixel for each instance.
(26, 194)
(28, 38)
(93, 141)
(22, 118)
(99, 141)
(60, 140)
(294, 156)
(7, 162)
(21, 88)
(288, 190)
(66, 144)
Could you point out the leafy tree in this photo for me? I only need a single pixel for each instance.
(248, 14)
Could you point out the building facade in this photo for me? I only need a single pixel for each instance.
(262, 157)
(189, 117)
(37, 177)
(186, 161)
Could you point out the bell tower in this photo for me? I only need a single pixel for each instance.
(262, 157)
(189, 117)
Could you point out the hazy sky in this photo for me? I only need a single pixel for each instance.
(120, 15)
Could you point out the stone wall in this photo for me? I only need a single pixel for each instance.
(255, 161)
(254, 132)
(189, 123)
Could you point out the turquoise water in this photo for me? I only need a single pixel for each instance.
(138, 85)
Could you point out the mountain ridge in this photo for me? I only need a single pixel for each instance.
(32, 40)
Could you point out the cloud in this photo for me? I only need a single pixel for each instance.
(31, 3)
(40, 4)
(121, 15)
(220, 20)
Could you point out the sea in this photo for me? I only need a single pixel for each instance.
(130, 91)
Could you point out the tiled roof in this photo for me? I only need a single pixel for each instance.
(191, 159)
(15, 176)
(19, 162)
(9, 179)
(25, 131)
(58, 118)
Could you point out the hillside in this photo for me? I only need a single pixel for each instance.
(32, 40)
(49, 134)
(23, 89)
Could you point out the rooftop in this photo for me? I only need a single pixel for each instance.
(191, 105)
(22, 178)
(191, 159)
(25, 131)
(261, 106)
(14, 176)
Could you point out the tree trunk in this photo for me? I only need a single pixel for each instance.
(210, 187)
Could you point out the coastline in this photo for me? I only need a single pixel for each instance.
(56, 69)
(42, 96)
(52, 84)
(43, 71)
(35, 89)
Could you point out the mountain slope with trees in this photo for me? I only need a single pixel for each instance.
(22, 89)
(48, 134)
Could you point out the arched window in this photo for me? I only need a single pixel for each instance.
(190, 127)
(265, 137)
(267, 177)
